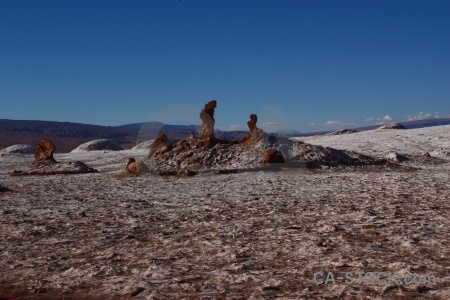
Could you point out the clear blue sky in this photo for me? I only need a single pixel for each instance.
(300, 64)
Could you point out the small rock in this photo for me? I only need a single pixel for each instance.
(271, 289)
(4, 189)
(186, 172)
(426, 154)
(395, 157)
(137, 291)
(272, 156)
(82, 214)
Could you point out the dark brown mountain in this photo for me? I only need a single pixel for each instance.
(67, 136)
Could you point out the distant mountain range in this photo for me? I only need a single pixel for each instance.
(67, 136)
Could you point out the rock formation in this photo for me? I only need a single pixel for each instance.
(134, 168)
(49, 148)
(207, 117)
(191, 136)
(255, 135)
(39, 152)
(44, 153)
(159, 146)
(272, 156)
(255, 150)
(45, 164)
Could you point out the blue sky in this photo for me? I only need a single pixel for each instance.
(305, 65)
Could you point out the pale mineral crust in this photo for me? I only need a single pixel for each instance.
(251, 235)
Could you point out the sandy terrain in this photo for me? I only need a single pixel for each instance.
(250, 235)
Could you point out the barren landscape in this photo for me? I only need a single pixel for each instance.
(249, 235)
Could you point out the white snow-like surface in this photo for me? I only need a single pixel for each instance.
(435, 140)
(19, 149)
(392, 126)
(249, 235)
(97, 145)
(144, 145)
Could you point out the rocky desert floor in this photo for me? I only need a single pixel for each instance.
(250, 235)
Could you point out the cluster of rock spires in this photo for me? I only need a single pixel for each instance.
(256, 150)
(45, 164)
(195, 154)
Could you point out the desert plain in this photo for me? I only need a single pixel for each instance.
(250, 235)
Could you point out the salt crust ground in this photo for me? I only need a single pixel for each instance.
(254, 235)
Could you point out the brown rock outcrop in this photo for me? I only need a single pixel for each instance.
(207, 117)
(46, 150)
(252, 123)
(44, 153)
(273, 156)
(186, 173)
(159, 146)
(132, 166)
(49, 148)
(255, 134)
(135, 168)
(191, 136)
(45, 164)
(39, 152)
(255, 150)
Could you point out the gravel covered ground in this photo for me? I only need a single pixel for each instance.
(250, 235)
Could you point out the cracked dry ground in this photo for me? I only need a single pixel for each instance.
(258, 235)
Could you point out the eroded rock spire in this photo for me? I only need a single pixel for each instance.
(44, 151)
(207, 117)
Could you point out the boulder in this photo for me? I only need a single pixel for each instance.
(395, 157)
(135, 168)
(273, 156)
